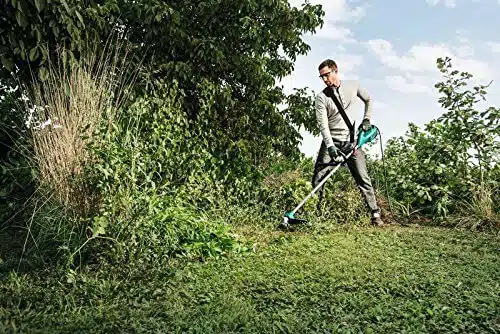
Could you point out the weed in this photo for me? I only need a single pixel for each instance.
(479, 212)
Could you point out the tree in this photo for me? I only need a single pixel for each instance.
(473, 134)
(226, 57)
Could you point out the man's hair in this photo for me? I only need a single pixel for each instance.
(329, 63)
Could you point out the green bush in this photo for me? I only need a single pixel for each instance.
(192, 129)
(452, 162)
(125, 173)
(142, 174)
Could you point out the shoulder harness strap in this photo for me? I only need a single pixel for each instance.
(328, 91)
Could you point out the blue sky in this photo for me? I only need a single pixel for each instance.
(392, 46)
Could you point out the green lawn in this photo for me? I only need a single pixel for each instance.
(404, 280)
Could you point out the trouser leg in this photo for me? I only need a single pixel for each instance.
(321, 171)
(358, 169)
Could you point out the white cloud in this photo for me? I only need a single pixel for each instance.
(447, 3)
(337, 33)
(464, 50)
(348, 63)
(494, 46)
(336, 10)
(338, 13)
(422, 58)
(464, 47)
(408, 84)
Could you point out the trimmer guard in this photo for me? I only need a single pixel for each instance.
(290, 219)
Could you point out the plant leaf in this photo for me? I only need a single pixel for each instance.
(65, 4)
(40, 5)
(33, 54)
(7, 63)
(44, 73)
(80, 17)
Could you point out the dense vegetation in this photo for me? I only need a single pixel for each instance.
(135, 134)
(451, 167)
(167, 117)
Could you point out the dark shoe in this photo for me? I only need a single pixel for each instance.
(375, 220)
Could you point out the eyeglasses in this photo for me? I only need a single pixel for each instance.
(324, 75)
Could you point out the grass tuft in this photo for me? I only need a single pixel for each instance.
(66, 108)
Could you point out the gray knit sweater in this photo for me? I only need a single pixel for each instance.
(329, 119)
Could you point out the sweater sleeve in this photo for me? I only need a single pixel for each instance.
(322, 119)
(365, 97)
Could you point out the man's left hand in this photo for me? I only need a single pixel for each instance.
(365, 125)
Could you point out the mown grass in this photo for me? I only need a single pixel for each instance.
(410, 280)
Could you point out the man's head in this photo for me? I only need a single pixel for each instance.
(328, 72)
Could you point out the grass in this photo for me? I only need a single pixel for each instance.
(405, 280)
(66, 108)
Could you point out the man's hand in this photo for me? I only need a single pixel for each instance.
(365, 125)
(333, 152)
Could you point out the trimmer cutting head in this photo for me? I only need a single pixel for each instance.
(289, 219)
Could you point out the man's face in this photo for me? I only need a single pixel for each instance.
(328, 75)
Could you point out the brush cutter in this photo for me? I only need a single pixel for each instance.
(363, 138)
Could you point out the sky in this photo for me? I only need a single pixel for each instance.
(391, 47)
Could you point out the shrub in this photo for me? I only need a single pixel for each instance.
(112, 167)
(65, 108)
(450, 166)
(478, 213)
(140, 169)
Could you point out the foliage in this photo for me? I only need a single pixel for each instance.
(222, 120)
(150, 197)
(33, 31)
(480, 212)
(287, 183)
(229, 67)
(106, 172)
(436, 169)
(66, 108)
(16, 174)
(474, 134)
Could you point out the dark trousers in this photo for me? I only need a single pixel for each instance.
(357, 166)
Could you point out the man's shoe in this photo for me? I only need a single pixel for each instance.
(376, 220)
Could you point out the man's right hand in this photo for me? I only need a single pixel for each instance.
(333, 152)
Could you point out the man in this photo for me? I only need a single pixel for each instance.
(336, 134)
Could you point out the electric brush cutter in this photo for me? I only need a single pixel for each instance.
(364, 137)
